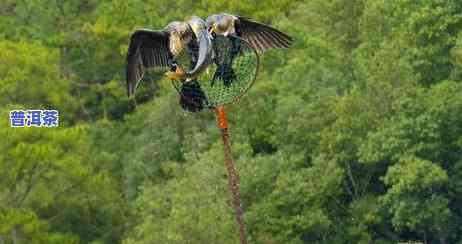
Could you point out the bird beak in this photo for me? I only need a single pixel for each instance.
(212, 29)
(205, 53)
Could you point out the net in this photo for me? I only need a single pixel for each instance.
(231, 72)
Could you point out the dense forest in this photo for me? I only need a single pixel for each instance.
(353, 135)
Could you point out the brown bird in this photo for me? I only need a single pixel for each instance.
(158, 48)
(260, 36)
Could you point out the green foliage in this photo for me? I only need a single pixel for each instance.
(296, 210)
(30, 75)
(50, 193)
(410, 181)
(191, 208)
(352, 136)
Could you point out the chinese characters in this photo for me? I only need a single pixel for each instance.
(34, 118)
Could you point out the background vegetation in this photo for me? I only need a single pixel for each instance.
(352, 136)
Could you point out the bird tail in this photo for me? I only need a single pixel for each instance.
(192, 97)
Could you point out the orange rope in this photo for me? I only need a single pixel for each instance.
(222, 120)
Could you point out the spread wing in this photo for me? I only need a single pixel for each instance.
(147, 49)
(262, 37)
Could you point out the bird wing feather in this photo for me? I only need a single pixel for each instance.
(262, 37)
(147, 49)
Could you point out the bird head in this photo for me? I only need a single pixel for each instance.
(211, 23)
(196, 27)
(221, 24)
(180, 29)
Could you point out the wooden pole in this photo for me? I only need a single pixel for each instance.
(233, 177)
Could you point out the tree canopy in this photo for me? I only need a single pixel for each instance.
(353, 135)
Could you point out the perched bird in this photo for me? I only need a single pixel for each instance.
(159, 48)
(261, 37)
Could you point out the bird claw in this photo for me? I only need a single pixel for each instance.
(171, 75)
(174, 75)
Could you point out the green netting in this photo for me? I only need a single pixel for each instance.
(230, 74)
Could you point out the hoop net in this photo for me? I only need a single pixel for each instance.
(230, 74)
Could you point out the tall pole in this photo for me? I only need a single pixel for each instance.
(233, 177)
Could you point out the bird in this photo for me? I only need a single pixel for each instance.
(159, 48)
(261, 37)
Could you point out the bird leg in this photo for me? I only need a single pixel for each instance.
(224, 71)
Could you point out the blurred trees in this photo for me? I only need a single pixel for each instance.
(352, 136)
